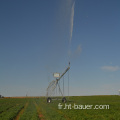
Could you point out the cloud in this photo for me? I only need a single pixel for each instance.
(76, 53)
(78, 50)
(71, 21)
(110, 68)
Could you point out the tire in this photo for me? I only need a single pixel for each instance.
(49, 100)
(64, 100)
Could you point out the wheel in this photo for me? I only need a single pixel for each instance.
(49, 100)
(64, 100)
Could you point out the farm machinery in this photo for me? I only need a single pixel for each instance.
(56, 83)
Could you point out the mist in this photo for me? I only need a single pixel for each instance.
(62, 37)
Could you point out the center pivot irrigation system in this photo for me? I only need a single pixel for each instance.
(53, 85)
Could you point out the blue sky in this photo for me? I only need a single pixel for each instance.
(38, 38)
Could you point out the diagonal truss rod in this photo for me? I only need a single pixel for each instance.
(63, 73)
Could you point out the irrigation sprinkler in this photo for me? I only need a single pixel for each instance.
(56, 84)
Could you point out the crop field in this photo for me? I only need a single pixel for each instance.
(76, 108)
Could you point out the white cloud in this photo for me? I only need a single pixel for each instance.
(78, 50)
(75, 53)
(71, 21)
(110, 68)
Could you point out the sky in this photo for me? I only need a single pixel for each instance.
(38, 38)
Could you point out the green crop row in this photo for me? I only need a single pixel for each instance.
(11, 113)
(6, 104)
(38, 108)
(51, 111)
(30, 112)
(9, 108)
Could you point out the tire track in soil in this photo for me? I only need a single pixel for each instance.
(40, 115)
(21, 112)
(60, 112)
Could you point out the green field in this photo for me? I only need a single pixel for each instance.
(77, 108)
